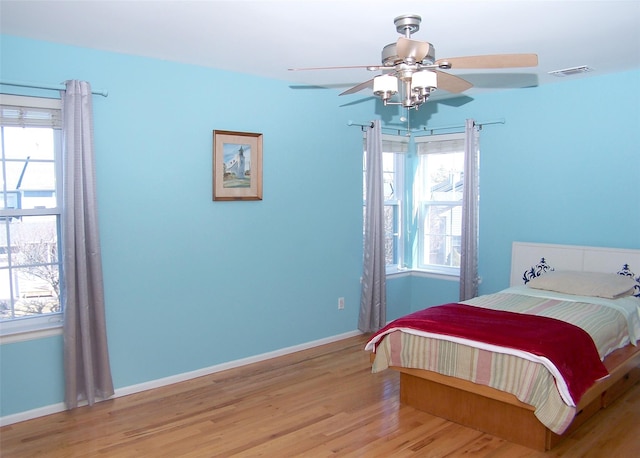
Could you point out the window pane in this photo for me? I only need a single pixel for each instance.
(441, 236)
(32, 285)
(4, 246)
(6, 307)
(34, 240)
(35, 292)
(389, 175)
(33, 142)
(36, 176)
(29, 168)
(444, 175)
(10, 200)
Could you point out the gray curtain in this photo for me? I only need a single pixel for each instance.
(86, 358)
(373, 297)
(469, 245)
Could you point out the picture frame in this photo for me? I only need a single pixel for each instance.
(237, 165)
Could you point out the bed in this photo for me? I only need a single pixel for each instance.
(521, 385)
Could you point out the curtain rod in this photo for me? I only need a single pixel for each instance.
(460, 126)
(351, 123)
(431, 129)
(50, 87)
(370, 125)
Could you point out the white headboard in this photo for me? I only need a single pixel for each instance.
(527, 259)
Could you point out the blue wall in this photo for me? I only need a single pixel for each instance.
(191, 283)
(564, 168)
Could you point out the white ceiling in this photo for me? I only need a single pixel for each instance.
(265, 38)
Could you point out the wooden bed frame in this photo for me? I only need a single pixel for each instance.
(502, 414)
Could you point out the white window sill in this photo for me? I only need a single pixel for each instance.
(23, 330)
(423, 273)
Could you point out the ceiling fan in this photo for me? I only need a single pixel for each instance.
(409, 67)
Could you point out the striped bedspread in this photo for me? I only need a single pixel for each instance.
(528, 380)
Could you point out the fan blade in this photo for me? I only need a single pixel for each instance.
(452, 83)
(491, 61)
(359, 87)
(368, 67)
(406, 47)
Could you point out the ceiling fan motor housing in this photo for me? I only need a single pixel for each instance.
(390, 56)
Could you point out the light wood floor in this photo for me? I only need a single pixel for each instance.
(315, 403)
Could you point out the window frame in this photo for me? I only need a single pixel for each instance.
(422, 205)
(35, 326)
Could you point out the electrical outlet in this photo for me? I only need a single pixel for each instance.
(340, 303)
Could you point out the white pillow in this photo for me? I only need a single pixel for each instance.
(610, 286)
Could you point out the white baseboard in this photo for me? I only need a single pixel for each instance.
(31, 414)
(127, 390)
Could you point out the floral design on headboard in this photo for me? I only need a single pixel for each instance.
(626, 271)
(536, 271)
(542, 267)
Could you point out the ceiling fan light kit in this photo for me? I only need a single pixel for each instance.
(409, 68)
(385, 86)
(417, 88)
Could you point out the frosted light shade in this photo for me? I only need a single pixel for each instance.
(424, 79)
(385, 84)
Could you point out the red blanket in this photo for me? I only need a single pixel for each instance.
(570, 348)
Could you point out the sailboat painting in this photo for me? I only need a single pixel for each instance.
(237, 165)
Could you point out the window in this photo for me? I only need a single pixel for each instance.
(393, 162)
(30, 210)
(438, 198)
(423, 210)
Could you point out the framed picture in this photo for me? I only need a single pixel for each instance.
(237, 165)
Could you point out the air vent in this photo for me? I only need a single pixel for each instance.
(571, 71)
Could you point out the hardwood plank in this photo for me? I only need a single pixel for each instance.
(319, 402)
